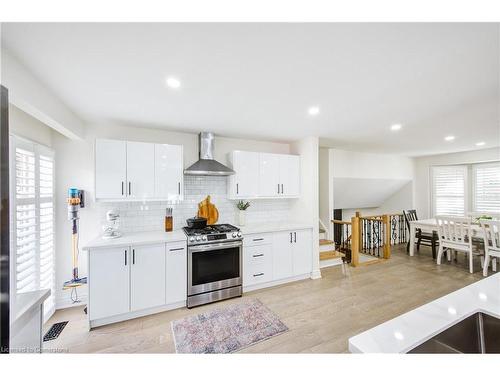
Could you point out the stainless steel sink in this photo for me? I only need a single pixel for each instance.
(479, 333)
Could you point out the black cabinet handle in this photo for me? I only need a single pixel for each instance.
(258, 255)
(258, 274)
(281, 188)
(258, 239)
(133, 256)
(122, 187)
(179, 188)
(237, 189)
(177, 249)
(125, 257)
(290, 237)
(295, 236)
(278, 188)
(129, 188)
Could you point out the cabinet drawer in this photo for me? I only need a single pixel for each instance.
(257, 273)
(258, 239)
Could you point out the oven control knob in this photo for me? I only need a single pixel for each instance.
(191, 239)
(198, 238)
(204, 238)
(239, 234)
(234, 235)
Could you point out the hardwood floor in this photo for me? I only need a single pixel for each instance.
(321, 314)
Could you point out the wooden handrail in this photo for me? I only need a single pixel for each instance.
(341, 222)
(373, 218)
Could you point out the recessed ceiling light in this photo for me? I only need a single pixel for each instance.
(396, 127)
(173, 83)
(480, 143)
(313, 111)
(449, 138)
(452, 311)
(399, 335)
(483, 297)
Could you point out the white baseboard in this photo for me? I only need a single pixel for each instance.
(330, 262)
(316, 274)
(274, 283)
(64, 303)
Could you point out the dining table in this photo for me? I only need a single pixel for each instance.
(430, 225)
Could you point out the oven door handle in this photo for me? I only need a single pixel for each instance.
(214, 246)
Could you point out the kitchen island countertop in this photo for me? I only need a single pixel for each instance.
(136, 238)
(407, 331)
(252, 228)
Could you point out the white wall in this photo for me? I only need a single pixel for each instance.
(75, 168)
(423, 164)
(306, 208)
(29, 94)
(324, 187)
(28, 127)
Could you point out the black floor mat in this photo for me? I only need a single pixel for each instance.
(54, 331)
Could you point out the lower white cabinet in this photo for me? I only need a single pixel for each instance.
(147, 277)
(280, 256)
(131, 281)
(109, 282)
(176, 283)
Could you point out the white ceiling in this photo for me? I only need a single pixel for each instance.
(257, 80)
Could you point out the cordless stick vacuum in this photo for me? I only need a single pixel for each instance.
(75, 201)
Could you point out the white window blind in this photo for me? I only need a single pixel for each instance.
(32, 202)
(486, 187)
(449, 190)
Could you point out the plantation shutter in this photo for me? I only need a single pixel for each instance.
(486, 187)
(33, 219)
(449, 190)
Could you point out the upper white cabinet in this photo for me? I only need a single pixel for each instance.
(245, 182)
(169, 172)
(138, 170)
(264, 175)
(110, 169)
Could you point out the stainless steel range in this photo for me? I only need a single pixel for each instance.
(214, 264)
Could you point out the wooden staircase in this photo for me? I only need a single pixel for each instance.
(328, 256)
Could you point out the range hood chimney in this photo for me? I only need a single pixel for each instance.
(207, 165)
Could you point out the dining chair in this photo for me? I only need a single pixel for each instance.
(455, 234)
(491, 234)
(422, 238)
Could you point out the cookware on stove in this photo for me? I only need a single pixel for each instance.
(196, 222)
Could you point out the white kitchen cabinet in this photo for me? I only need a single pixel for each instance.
(269, 175)
(110, 169)
(289, 175)
(109, 276)
(147, 276)
(245, 182)
(258, 264)
(169, 172)
(282, 255)
(140, 170)
(302, 251)
(176, 266)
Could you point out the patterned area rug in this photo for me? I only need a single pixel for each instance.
(226, 329)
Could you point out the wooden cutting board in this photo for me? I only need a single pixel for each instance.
(208, 210)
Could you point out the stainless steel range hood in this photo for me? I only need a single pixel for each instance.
(207, 165)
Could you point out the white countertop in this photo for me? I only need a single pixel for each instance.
(409, 330)
(136, 238)
(24, 302)
(272, 227)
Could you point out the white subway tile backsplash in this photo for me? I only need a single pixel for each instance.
(148, 216)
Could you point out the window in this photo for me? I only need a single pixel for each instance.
(486, 187)
(449, 190)
(32, 205)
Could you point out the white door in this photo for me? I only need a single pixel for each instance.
(110, 168)
(147, 276)
(168, 172)
(302, 251)
(269, 175)
(140, 170)
(246, 166)
(176, 272)
(282, 255)
(290, 175)
(109, 282)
